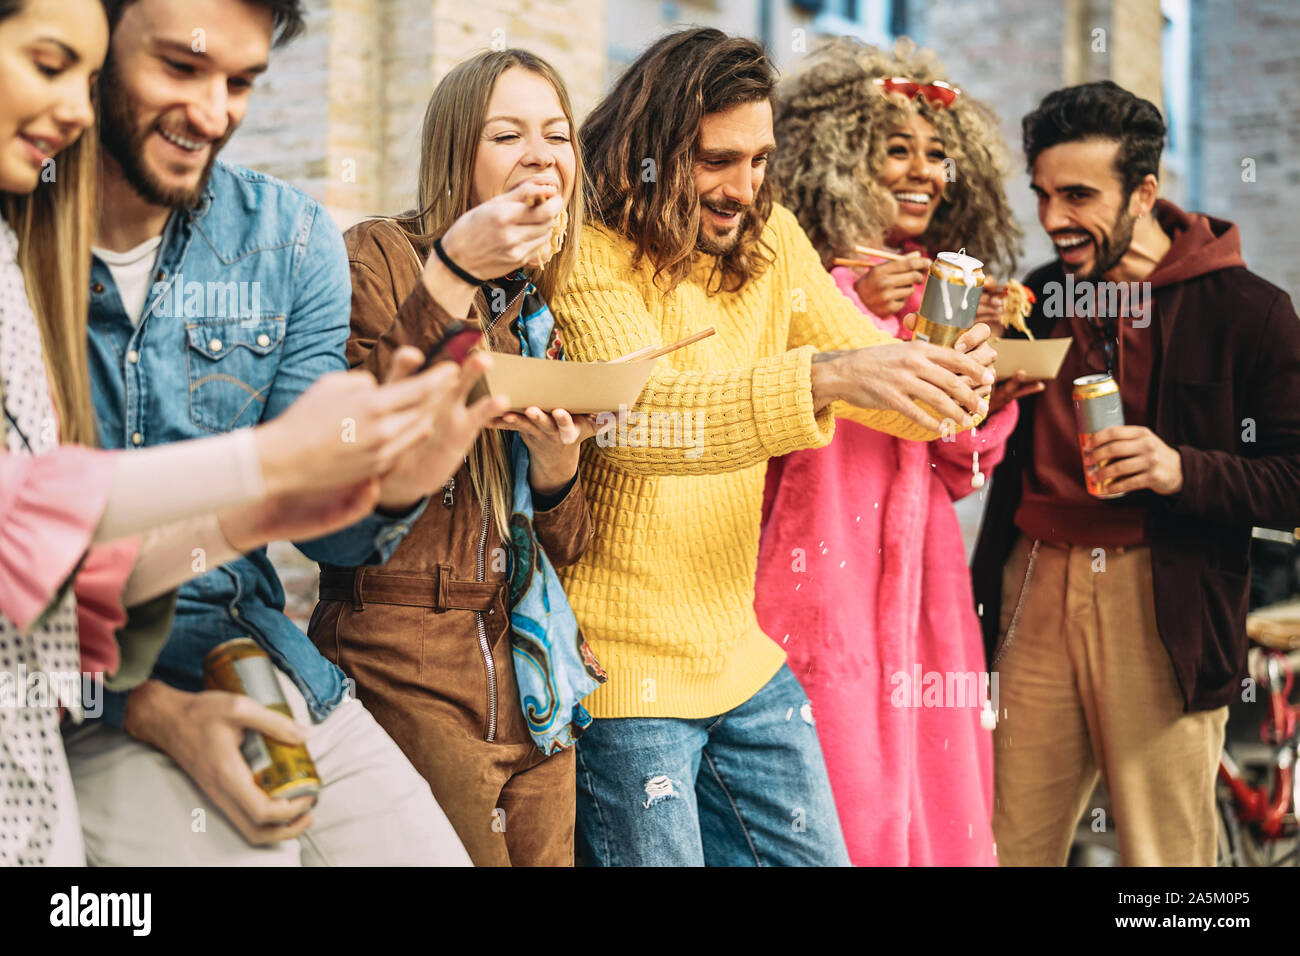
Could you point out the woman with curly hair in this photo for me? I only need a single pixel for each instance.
(862, 574)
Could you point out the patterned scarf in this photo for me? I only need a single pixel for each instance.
(554, 665)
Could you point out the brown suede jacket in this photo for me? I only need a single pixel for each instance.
(370, 620)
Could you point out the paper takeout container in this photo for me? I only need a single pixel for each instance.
(1041, 359)
(578, 387)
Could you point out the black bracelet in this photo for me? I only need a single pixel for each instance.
(446, 261)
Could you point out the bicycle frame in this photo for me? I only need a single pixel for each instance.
(1273, 815)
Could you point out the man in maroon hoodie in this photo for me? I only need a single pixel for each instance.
(1117, 627)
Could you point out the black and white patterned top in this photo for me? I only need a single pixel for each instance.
(30, 746)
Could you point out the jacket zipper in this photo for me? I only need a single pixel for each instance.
(480, 573)
(483, 644)
(509, 306)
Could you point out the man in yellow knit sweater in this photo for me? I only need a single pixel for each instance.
(703, 750)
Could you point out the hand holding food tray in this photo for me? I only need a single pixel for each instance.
(1041, 359)
(580, 388)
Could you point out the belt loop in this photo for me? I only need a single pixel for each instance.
(441, 578)
(358, 604)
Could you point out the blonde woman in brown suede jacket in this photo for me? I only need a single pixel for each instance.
(426, 637)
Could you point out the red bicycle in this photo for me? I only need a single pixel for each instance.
(1257, 803)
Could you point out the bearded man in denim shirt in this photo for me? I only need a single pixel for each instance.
(218, 296)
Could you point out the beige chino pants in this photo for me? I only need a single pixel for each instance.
(1087, 687)
(138, 808)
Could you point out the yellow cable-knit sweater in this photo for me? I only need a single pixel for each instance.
(665, 593)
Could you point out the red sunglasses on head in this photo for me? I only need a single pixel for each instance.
(939, 95)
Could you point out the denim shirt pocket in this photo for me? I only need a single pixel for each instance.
(232, 365)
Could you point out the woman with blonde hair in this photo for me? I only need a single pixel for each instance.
(862, 574)
(463, 645)
(85, 533)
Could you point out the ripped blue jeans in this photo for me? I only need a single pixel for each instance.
(744, 788)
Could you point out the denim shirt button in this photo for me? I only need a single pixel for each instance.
(234, 612)
(215, 345)
(133, 356)
(264, 340)
(97, 288)
(160, 277)
(137, 439)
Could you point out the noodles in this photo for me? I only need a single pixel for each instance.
(1019, 303)
(554, 244)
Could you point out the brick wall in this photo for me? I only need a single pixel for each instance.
(1246, 77)
(339, 113)
(284, 131)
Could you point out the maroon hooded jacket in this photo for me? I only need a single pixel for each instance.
(1224, 391)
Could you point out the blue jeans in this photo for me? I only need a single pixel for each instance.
(744, 788)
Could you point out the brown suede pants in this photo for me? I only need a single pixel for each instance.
(422, 675)
(1086, 686)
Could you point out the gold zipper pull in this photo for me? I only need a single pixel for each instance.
(447, 490)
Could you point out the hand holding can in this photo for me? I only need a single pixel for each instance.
(1097, 406)
(283, 771)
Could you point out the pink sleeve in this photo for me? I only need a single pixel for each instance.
(953, 460)
(846, 279)
(54, 506)
(50, 506)
(99, 587)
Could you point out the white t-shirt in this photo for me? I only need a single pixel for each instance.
(133, 274)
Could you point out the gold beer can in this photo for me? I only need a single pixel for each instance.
(1097, 406)
(951, 298)
(283, 771)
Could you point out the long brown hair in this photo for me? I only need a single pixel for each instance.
(453, 126)
(55, 225)
(642, 140)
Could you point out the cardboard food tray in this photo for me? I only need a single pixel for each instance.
(578, 387)
(1041, 359)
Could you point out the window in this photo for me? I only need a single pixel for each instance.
(876, 22)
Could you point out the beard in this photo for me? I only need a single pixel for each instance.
(123, 140)
(1110, 251)
(727, 242)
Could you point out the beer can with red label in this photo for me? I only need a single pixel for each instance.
(282, 770)
(1097, 406)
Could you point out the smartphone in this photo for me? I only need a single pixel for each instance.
(455, 344)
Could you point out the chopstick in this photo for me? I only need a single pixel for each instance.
(654, 351)
(879, 253)
(855, 263)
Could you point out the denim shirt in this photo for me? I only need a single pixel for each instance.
(250, 304)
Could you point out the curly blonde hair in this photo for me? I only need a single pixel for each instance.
(832, 122)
